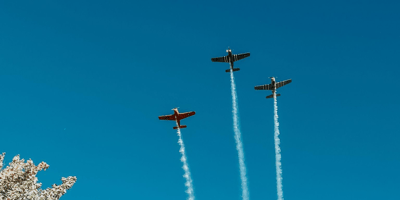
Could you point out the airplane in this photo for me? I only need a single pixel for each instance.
(230, 58)
(177, 117)
(273, 86)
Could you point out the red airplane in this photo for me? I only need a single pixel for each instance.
(177, 117)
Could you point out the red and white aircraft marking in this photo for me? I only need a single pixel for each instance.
(177, 117)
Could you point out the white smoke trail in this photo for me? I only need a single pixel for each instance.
(277, 151)
(239, 145)
(185, 167)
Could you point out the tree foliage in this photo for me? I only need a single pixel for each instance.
(18, 181)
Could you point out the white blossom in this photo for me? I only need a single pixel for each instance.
(18, 181)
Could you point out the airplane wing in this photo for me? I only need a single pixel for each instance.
(186, 114)
(264, 87)
(220, 59)
(240, 56)
(166, 117)
(282, 83)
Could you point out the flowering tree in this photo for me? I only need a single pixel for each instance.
(19, 181)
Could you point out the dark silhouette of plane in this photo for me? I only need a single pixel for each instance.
(273, 86)
(230, 58)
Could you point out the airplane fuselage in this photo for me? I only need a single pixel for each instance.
(176, 115)
(273, 83)
(230, 59)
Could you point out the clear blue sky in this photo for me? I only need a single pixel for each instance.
(83, 82)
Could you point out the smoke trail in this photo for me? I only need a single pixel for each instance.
(277, 151)
(185, 166)
(239, 145)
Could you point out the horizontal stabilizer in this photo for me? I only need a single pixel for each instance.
(182, 126)
(272, 96)
(234, 69)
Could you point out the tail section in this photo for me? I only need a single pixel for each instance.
(182, 126)
(234, 69)
(272, 96)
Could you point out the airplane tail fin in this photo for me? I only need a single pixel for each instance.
(234, 69)
(182, 126)
(272, 96)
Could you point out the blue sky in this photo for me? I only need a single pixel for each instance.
(83, 82)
